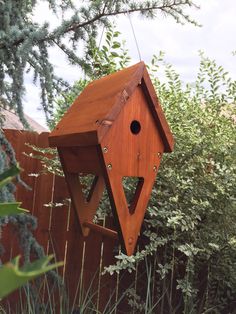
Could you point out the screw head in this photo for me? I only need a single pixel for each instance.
(159, 155)
(105, 150)
(155, 168)
(109, 166)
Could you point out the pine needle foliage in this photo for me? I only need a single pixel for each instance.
(25, 44)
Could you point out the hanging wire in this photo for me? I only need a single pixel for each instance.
(99, 46)
(100, 40)
(135, 38)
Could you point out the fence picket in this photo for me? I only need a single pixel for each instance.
(58, 229)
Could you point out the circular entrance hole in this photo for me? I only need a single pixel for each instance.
(135, 127)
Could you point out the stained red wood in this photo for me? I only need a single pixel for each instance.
(86, 160)
(141, 156)
(80, 159)
(18, 139)
(58, 227)
(85, 209)
(93, 106)
(92, 114)
(115, 128)
(141, 148)
(58, 217)
(157, 112)
(101, 230)
(73, 256)
(44, 184)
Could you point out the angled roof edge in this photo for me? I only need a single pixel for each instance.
(129, 79)
(157, 112)
(121, 99)
(140, 77)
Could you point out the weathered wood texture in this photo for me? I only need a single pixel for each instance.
(58, 228)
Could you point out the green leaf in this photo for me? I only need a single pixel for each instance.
(13, 277)
(116, 45)
(114, 54)
(11, 209)
(8, 175)
(104, 48)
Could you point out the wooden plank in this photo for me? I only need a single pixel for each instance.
(18, 140)
(59, 221)
(74, 258)
(92, 265)
(44, 195)
(108, 283)
(101, 230)
(80, 159)
(99, 101)
(157, 112)
(29, 166)
(10, 234)
(85, 209)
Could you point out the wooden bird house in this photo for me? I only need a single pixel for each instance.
(115, 129)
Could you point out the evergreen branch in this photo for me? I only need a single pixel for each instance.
(24, 44)
(172, 9)
(165, 8)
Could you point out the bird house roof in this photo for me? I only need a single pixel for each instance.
(97, 107)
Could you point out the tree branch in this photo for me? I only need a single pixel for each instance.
(167, 8)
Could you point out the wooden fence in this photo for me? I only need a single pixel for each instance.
(58, 228)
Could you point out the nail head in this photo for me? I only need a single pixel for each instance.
(109, 166)
(105, 149)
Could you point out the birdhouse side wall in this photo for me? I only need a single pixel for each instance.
(133, 145)
(132, 148)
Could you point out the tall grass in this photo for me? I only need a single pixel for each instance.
(43, 296)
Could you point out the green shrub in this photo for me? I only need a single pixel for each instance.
(190, 222)
(189, 228)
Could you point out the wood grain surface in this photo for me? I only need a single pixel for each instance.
(135, 155)
(94, 111)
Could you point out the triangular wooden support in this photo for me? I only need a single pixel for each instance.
(129, 218)
(85, 208)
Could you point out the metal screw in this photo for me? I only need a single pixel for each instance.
(105, 150)
(159, 155)
(155, 168)
(107, 122)
(109, 166)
